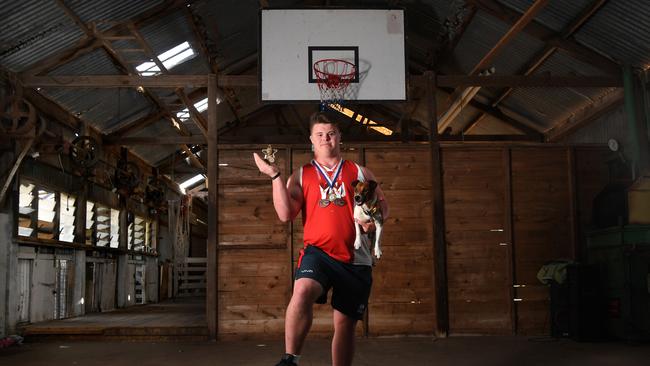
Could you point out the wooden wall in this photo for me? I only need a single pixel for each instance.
(508, 210)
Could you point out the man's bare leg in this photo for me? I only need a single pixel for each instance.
(299, 314)
(343, 341)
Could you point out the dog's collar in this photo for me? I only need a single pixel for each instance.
(374, 206)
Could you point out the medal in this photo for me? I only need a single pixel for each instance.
(333, 196)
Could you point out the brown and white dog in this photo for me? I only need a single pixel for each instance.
(367, 208)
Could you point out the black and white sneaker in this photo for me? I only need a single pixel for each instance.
(287, 360)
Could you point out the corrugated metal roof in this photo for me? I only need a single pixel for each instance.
(153, 155)
(555, 15)
(232, 27)
(547, 106)
(620, 30)
(32, 30)
(480, 37)
(613, 125)
(100, 107)
(108, 12)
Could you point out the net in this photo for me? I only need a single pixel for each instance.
(333, 77)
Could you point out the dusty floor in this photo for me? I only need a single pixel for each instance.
(377, 352)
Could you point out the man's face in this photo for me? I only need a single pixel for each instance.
(325, 138)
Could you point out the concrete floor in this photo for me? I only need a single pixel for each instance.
(455, 351)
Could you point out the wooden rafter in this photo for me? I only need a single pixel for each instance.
(122, 64)
(228, 93)
(179, 91)
(457, 96)
(585, 116)
(174, 140)
(128, 69)
(119, 81)
(176, 81)
(497, 113)
(548, 35)
(88, 44)
(549, 49)
(195, 115)
(544, 80)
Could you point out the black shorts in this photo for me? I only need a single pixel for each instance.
(350, 283)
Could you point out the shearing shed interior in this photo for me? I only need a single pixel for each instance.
(510, 139)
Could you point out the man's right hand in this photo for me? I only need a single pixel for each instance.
(265, 167)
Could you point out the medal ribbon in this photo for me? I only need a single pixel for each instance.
(330, 182)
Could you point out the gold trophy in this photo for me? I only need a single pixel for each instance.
(269, 154)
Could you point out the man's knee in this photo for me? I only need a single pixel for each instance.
(343, 322)
(306, 290)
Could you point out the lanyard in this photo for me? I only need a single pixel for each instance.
(330, 182)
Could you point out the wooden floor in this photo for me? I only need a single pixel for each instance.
(183, 319)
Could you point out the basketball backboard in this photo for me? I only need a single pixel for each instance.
(292, 40)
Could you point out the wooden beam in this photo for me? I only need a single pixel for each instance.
(546, 34)
(439, 245)
(192, 157)
(537, 60)
(458, 97)
(195, 115)
(586, 115)
(89, 44)
(549, 49)
(526, 18)
(75, 18)
(212, 300)
(120, 81)
(228, 94)
(497, 113)
(52, 110)
(173, 140)
(539, 80)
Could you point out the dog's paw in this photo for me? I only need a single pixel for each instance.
(357, 243)
(377, 252)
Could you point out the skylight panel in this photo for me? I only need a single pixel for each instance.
(170, 58)
(200, 106)
(195, 179)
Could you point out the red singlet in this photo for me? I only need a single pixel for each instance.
(329, 228)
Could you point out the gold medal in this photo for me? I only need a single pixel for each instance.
(332, 197)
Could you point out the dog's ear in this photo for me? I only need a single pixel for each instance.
(372, 185)
(354, 183)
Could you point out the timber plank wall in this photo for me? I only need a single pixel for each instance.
(508, 210)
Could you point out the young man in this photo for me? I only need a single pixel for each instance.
(323, 191)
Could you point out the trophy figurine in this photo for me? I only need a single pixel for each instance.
(269, 154)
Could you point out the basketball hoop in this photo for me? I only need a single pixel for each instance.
(333, 77)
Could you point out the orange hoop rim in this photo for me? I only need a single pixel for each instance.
(334, 78)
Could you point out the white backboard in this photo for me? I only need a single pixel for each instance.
(292, 40)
